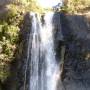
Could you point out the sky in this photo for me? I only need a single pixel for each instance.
(48, 3)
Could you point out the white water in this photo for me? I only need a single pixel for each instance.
(44, 69)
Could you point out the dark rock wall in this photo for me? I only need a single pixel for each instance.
(71, 31)
(22, 55)
(76, 33)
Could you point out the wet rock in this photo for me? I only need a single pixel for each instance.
(72, 32)
(76, 67)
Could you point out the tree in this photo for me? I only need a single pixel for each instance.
(75, 6)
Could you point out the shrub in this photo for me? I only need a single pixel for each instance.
(75, 6)
(9, 35)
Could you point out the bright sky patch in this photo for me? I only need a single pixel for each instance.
(48, 3)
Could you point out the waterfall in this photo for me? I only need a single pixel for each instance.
(43, 66)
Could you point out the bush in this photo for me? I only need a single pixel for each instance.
(8, 41)
(75, 6)
(9, 36)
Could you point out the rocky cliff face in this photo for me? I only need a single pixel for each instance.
(76, 70)
(72, 32)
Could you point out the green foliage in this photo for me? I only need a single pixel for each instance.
(75, 6)
(8, 40)
(9, 36)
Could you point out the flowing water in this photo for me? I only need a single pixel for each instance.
(43, 66)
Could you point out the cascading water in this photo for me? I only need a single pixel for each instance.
(44, 71)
